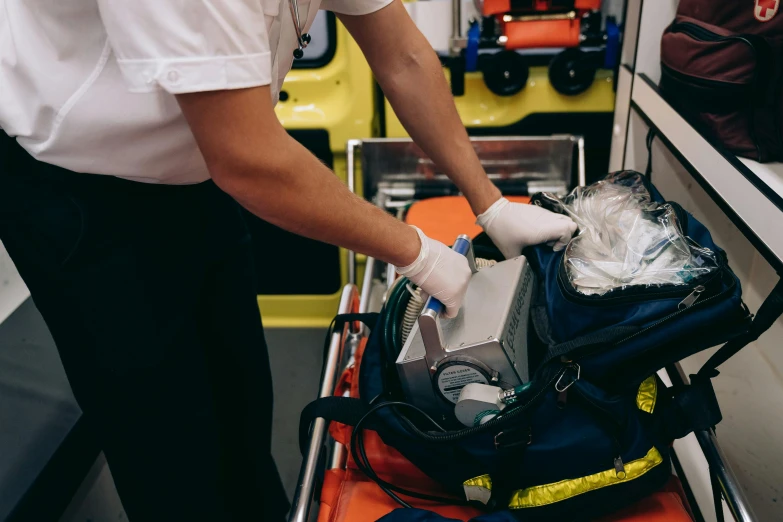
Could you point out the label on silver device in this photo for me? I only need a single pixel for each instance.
(454, 377)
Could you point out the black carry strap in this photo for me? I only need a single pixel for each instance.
(339, 321)
(692, 407)
(769, 312)
(370, 319)
(590, 342)
(345, 410)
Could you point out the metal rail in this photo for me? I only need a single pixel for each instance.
(719, 466)
(364, 300)
(570, 15)
(305, 489)
(457, 42)
(350, 164)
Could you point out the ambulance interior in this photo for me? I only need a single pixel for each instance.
(550, 107)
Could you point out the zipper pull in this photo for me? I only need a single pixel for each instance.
(691, 299)
(619, 467)
(562, 399)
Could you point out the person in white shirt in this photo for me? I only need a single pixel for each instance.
(131, 131)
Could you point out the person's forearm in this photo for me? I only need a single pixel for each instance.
(414, 83)
(306, 198)
(251, 157)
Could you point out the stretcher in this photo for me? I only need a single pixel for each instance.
(588, 42)
(397, 177)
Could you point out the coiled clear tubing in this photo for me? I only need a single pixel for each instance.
(625, 239)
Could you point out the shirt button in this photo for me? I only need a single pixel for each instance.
(148, 77)
(173, 76)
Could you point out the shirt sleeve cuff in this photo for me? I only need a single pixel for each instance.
(183, 75)
(354, 8)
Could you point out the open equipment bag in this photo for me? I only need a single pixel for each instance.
(591, 432)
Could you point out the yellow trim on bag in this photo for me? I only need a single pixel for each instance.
(484, 481)
(648, 394)
(550, 493)
(478, 489)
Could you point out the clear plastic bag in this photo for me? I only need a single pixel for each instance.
(626, 239)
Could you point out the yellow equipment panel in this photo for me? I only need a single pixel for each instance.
(479, 107)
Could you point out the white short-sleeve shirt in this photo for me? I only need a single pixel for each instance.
(89, 85)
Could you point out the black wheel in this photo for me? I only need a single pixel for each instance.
(571, 72)
(505, 73)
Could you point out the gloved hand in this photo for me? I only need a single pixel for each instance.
(439, 272)
(514, 226)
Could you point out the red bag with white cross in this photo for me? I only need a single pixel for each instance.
(722, 66)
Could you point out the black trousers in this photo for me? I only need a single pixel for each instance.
(149, 293)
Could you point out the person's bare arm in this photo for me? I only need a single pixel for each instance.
(411, 76)
(252, 158)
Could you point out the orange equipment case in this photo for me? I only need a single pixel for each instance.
(540, 23)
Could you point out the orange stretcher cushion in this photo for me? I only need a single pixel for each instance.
(387, 462)
(543, 33)
(444, 218)
(348, 496)
(666, 505)
(391, 466)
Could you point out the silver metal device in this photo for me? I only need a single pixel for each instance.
(486, 343)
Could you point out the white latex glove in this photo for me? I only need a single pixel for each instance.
(514, 226)
(440, 272)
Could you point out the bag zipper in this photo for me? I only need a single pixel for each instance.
(688, 306)
(730, 87)
(612, 427)
(692, 298)
(698, 32)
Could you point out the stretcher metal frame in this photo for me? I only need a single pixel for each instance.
(346, 340)
(393, 190)
(341, 346)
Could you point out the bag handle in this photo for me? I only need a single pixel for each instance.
(345, 410)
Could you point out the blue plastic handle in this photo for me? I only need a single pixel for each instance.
(461, 246)
(612, 55)
(472, 49)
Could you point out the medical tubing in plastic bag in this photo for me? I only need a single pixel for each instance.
(626, 239)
